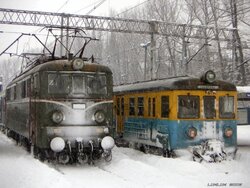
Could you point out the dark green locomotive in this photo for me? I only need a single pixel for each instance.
(62, 109)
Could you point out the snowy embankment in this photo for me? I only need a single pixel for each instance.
(129, 168)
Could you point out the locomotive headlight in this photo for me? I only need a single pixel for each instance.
(57, 144)
(99, 117)
(192, 132)
(210, 76)
(107, 143)
(57, 117)
(228, 132)
(78, 64)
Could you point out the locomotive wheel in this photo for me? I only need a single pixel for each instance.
(82, 158)
(108, 156)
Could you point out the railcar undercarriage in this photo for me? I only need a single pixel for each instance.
(212, 151)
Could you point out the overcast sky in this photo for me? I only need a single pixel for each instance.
(70, 6)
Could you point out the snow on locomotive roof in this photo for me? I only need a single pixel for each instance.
(175, 83)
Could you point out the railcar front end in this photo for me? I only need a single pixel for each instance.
(177, 113)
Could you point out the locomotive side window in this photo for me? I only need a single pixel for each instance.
(23, 89)
(209, 107)
(226, 104)
(140, 106)
(8, 94)
(15, 92)
(188, 106)
(131, 106)
(165, 106)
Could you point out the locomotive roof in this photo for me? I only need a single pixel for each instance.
(175, 83)
(63, 65)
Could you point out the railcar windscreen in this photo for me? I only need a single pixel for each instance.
(226, 104)
(188, 106)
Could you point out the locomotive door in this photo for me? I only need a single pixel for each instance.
(33, 107)
(120, 115)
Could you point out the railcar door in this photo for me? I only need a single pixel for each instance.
(209, 127)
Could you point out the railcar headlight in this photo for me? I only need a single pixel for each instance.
(228, 132)
(78, 64)
(99, 117)
(210, 76)
(57, 117)
(192, 132)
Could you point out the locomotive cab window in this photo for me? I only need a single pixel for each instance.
(79, 84)
(97, 84)
(188, 106)
(209, 107)
(226, 104)
(59, 83)
(165, 106)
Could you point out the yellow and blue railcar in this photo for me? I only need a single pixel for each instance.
(180, 112)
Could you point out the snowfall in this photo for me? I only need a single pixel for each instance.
(128, 169)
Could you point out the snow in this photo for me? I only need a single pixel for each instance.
(128, 169)
(243, 89)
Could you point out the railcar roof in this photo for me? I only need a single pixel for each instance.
(175, 83)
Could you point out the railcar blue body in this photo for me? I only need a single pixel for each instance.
(178, 113)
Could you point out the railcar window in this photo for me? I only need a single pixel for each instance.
(97, 84)
(209, 107)
(149, 107)
(188, 106)
(226, 104)
(153, 113)
(122, 109)
(165, 106)
(140, 106)
(118, 106)
(131, 106)
(79, 84)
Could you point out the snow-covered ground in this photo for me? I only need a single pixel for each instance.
(128, 169)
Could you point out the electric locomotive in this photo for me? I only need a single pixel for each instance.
(165, 115)
(62, 110)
